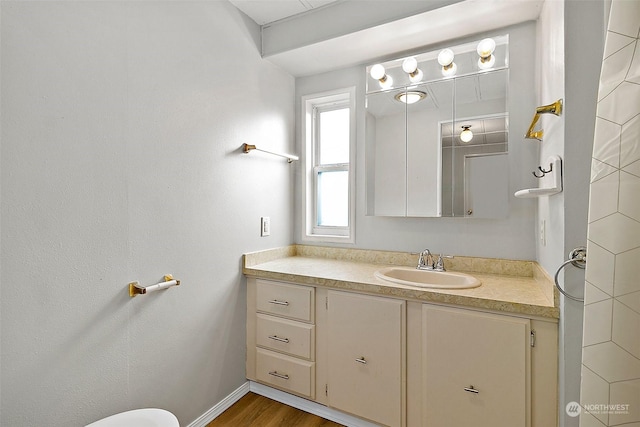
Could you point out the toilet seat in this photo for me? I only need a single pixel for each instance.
(148, 417)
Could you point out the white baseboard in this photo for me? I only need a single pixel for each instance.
(282, 397)
(222, 406)
(309, 406)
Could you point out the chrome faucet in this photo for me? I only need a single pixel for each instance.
(425, 260)
(439, 265)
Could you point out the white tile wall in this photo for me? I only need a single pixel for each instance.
(611, 342)
(608, 151)
(597, 319)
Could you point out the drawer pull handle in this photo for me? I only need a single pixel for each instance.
(361, 360)
(279, 375)
(470, 389)
(277, 338)
(275, 301)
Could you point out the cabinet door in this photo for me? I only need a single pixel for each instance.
(475, 369)
(365, 340)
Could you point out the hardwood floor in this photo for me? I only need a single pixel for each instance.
(259, 411)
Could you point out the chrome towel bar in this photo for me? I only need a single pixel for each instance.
(577, 257)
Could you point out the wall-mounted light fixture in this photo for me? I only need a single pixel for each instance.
(445, 59)
(411, 96)
(466, 135)
(485, 51)
(410, 66)
(378, 72)
(555, 108)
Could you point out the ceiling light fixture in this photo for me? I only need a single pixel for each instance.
(466, 135)
(377, 72)
(410, 66)
(445, 58)
(485, 50)
(411, 96)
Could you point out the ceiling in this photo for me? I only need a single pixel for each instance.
(307, 37)
(267, 11)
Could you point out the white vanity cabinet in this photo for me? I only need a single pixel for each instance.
(475, 368)
(281, 336)
(366, 356)
(400, 362)
(468, 367)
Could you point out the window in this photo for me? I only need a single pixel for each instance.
(328, 154)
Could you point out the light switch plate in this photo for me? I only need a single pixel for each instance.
(265, 226)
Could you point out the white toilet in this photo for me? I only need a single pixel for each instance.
(148, 417)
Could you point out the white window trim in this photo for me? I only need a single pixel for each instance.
(311, 232)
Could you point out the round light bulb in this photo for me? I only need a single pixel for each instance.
(445, 57)
(486, 47)
(486, 63)
(386, 83)
(450, 70)
(417, 76)
(410, 65)
(377, 71)
(466, 135)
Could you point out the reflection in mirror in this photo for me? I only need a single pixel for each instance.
(387, 133)
(416, 109)
(477, 168)
(404, 141)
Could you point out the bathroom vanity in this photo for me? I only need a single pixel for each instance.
(322, 326)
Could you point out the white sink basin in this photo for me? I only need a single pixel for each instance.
(428, 278)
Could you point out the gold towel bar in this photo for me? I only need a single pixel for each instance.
(248, 147)
(555, 108)
(136, 289)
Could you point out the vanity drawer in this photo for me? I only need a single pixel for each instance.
(286, 336)
(286, 372)
(281, 299)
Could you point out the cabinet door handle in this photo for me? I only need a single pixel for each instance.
(279, 375)
(361, 360)
(275, 301)
(277, 338)
(470, 389)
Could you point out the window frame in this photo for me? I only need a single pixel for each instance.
(312, 106)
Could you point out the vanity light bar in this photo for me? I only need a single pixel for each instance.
(432, 66)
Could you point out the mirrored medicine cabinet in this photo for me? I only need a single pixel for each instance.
(437, 133)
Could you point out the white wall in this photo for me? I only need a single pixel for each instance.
(120, 161)
(458, 236)
(584, 39)
(570, 43)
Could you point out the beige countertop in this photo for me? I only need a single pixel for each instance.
(516, 287)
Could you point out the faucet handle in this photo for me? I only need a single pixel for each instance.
(440, 263)
(425, 260)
